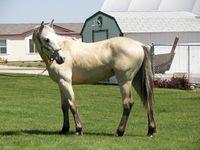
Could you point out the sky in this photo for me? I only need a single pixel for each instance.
(35, 11)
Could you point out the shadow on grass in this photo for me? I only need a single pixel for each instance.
(71, 133)
(31, 132)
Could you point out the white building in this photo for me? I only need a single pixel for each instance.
(159, 22)
(16, 40)
(192, 6)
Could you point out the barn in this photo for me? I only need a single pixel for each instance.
(155, 22)
(100, 26)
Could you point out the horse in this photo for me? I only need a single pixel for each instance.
(70, 61)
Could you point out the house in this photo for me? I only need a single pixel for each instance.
(156, 22)
(16, 40)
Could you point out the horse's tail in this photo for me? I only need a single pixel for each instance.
(143, 81)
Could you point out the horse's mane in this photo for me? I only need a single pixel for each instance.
(72, 38)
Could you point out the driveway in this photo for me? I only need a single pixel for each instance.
(23, 70)
(194, 78)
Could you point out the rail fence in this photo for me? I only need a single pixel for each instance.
(176, 60)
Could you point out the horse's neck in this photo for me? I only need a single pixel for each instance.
(66, 38)
(60, 38)
(45, 59)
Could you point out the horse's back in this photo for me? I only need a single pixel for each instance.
(96, 61)
(123, 47)
(128, 53)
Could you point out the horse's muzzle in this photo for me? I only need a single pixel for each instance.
(59, 56)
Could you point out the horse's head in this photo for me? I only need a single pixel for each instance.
(46, 41)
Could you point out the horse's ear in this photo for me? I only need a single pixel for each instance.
(41, 27)
(51, 24)
(42, 23)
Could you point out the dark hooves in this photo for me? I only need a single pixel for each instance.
(78, 132)
(151, 131)
(119, 133)
(64, 131)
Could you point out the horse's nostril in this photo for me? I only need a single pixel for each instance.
(59, 56)
(60, 60)
(63, 58)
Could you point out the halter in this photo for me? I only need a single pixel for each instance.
(43, 47)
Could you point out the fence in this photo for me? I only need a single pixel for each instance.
(181, 60)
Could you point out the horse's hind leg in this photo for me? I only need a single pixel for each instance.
(151, 121)
(147, 103)
(125, 89)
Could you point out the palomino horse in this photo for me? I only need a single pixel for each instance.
(71, 61)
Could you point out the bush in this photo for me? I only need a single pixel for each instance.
(3, 60)
(174, 82)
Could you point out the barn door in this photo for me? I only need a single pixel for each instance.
(99, 35)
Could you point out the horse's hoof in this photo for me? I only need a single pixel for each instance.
(78, 132)
(119, 133)
(64, 131)
(151, 131)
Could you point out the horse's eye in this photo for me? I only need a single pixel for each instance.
(47, 40)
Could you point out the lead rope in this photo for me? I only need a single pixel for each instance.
(41, 73)
(50, 61)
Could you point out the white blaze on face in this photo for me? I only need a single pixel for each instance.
(51, 40)
(61, 54)
(48, 33)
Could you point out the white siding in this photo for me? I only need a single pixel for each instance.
(178, 5)
(196, 8)
(180, 61)
(152, 5)
(142, 37)
(156, 38)
(18, 50)
(165, 38)
(195, 59)
(115, 5)
(30, 56)
(144, 5)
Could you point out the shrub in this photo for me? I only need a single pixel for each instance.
(3, 60)
(174, 82)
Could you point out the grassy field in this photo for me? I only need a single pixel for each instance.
(30, 117)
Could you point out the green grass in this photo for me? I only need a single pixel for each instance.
(30, 117)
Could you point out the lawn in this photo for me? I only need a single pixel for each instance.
(30, 118)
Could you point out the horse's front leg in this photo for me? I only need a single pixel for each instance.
(67, 90)
(65, 110)
(77, 120)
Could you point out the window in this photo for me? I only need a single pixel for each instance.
(100, 21)
(3, 47)
(32, 48)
